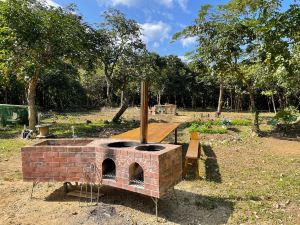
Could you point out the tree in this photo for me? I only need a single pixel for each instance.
(219, 40)
(243, 40)
(131, 71)
(42, 36)
(117, 38)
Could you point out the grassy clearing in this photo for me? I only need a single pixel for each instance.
(264, 189)
(242, 176)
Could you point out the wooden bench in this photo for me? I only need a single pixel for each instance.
(192, 154)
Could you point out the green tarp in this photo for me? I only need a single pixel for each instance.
(6, 113)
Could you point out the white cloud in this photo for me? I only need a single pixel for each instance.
(183, 4)
(155, 32)
(156, 44)
(52, 3)
(168, 3)
(117, 2)
(186, 42)
(184, 58)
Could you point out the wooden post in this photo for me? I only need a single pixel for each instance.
(144, 112)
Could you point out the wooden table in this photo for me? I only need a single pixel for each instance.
(157, 132)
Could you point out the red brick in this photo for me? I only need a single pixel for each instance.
(74, 149)
(88, 149)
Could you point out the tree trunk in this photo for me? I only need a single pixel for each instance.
(281, 101)
(252, 101)
(269, 105)
(108, 87)
(255, 125)
(193, 102)
(183, 103)
(273, 102)
(220, 97)
(121, 111)
(122, 98)
(158, 97)
(31, 99)
(231, 100)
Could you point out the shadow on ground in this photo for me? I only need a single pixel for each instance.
(212, 169)
(234, 129)
(291, 133)
(189, 208)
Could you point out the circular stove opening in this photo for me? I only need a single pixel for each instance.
(150, 148)
(122, 144)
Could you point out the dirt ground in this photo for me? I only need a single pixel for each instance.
(245, 180)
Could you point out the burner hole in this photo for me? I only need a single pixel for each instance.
(122, 144)
(108, 169)
(150, 148)
(136, 175)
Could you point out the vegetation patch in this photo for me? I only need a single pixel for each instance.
(9, 146)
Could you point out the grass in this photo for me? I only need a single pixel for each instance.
(241, 122)
(218, 122)
(205, 130)
(9, 146)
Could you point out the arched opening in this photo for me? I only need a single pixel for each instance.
(108, 169)
(136, 175)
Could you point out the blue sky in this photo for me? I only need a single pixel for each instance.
(160, 19)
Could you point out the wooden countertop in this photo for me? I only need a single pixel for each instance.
(157, 132)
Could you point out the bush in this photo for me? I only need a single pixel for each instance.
(226, 122)
(285, 117)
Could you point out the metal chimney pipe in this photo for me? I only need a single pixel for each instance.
(144, 112)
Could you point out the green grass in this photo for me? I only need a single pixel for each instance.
(9, 146)
(241, 122)
(205, 130)
(218, 122)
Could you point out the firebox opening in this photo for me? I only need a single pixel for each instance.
(136, 175)
(108, 169)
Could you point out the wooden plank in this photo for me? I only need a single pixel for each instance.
(157, 132)
(193, 150)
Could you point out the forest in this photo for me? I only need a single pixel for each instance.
(247, 58)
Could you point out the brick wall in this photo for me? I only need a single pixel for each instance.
(55, 163)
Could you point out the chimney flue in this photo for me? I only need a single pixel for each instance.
(144, 112)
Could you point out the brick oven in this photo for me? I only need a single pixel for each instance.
(148, 169)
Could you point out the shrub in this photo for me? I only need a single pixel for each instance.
(285, 117)
(226, 122)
